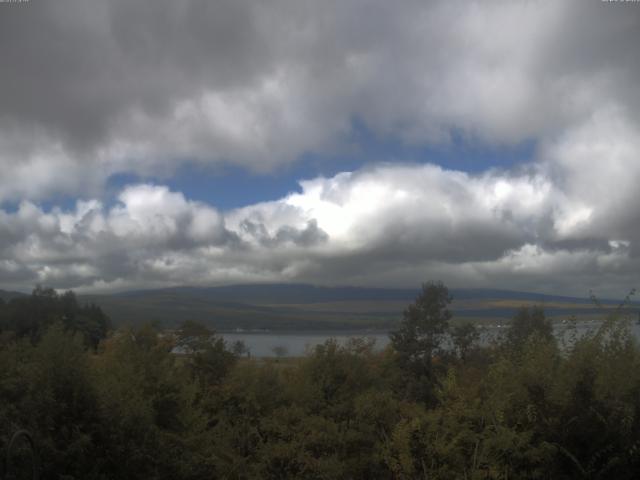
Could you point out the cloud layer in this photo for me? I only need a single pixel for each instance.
(93, 89)
(382, 225)
(101, 87)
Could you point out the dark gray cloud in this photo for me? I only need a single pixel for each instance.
(99, 87)
(73, 66)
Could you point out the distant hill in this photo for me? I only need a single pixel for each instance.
(308, 307)
(280, 293)
(302, 293)
(7, 295)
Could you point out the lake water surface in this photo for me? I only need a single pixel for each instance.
(262, 344)
(297, 343)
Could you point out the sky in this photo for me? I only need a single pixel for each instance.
(157, 143)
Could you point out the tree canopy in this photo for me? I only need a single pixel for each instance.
(30, 316)
(135, 407)
(420, 338)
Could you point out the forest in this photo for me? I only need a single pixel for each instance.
(105, 403)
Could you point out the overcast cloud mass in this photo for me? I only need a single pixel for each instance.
(94, 89)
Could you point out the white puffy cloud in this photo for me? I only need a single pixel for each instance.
(94, 243)
(381, 225)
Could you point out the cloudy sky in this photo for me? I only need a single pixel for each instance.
(351, 142)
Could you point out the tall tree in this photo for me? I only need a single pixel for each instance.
(463, 338)
(527, 322)
(208, 357)
(420, 336)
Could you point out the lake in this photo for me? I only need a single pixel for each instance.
(296, 343)
(262, 344)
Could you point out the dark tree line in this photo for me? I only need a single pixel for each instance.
(434, 404)
(31, 316)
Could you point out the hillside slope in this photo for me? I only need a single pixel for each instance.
(7, 295)
(308, 307)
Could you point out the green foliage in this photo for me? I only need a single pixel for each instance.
(207, 356)
(424, 322)
(30, 317)
(463, 338)
(137, 406)
(46, 388)
(526, 323)
(419, 339)
(239, 348)
(146, 399)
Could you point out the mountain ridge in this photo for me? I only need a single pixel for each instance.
(7, 295)
(303, 293)
(310, 307)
